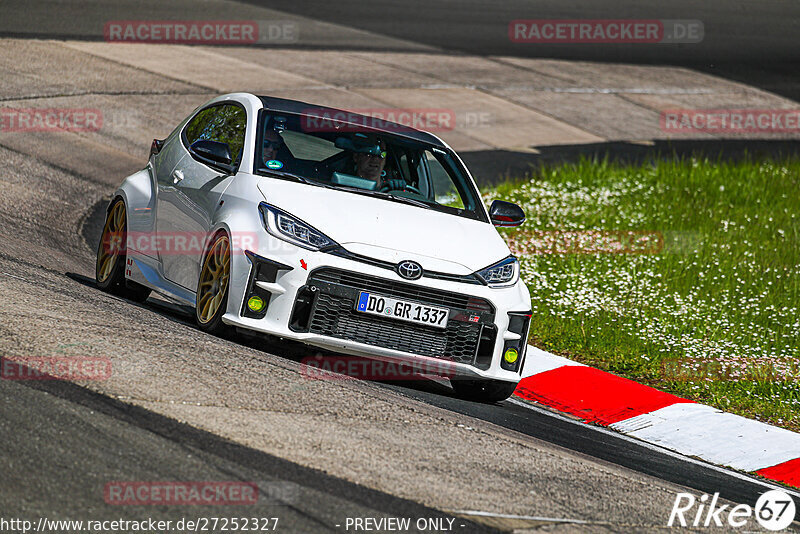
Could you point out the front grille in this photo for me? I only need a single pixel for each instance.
(390, 288)
(333, 314)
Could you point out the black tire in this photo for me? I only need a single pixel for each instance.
(483, 390)
(214, 324)
(111, 257)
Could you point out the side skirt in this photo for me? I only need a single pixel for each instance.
(147, 271)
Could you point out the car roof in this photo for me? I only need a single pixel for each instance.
(302, 108)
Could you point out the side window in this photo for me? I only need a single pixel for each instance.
(444, 189)
(225, 123)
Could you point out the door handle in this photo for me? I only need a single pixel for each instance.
(177, 176)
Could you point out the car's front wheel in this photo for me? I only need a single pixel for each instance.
(212, 287)
(111, 257)
(483, 390)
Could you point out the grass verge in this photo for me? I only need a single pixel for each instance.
(681, 274)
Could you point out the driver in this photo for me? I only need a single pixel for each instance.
(272, 143)
(370, 160)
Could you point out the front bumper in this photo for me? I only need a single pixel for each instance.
(311, 298)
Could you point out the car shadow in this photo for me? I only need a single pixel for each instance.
(176, 313)
(321, 364)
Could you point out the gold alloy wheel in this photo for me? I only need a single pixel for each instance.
(213, 279)
(111, 245)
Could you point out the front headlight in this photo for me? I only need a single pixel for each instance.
(289, 228)
(502, 274)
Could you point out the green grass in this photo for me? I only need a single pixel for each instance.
(712, 315)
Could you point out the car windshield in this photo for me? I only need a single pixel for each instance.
(364, 161)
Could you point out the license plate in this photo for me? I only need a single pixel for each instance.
(402, 310)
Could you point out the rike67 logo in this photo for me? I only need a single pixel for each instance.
(774, 510)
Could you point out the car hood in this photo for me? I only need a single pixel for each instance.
(390, 231)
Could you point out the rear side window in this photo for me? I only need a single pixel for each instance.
(225, 123)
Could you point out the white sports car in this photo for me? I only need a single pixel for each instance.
(359, 236)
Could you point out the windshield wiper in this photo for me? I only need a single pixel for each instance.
(412, 201)
(387, 196)
(284, 174)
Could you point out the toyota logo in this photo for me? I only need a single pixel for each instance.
(409, 270)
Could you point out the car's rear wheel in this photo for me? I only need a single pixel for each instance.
(212, 287)
(483, 390)
(111, 257)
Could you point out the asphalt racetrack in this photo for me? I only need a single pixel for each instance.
(182, 405)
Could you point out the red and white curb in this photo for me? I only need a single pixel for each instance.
(659, 418)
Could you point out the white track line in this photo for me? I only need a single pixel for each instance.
(715, 436)
(735, 474)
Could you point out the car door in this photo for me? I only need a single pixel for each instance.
(189, 196)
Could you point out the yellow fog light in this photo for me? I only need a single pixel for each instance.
(511, 355)
(255, 303)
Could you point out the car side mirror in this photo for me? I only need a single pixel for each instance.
(212, 153)
(506, 214)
